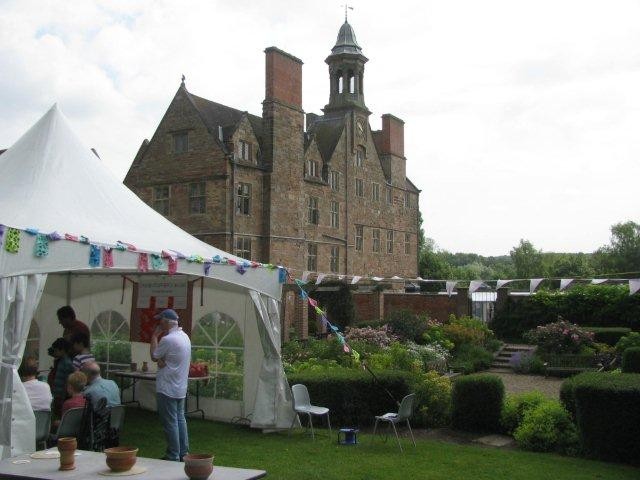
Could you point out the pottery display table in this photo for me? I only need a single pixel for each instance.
(151, 376)
(90, 464)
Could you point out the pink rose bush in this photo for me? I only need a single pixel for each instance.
(560, 337)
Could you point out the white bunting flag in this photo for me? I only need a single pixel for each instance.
(420, 279)
(340, 277)
(377, 279)
(534, 283)
(305, 276)
(502, 283)
(450, 285)
(475, 285)
(634, 285)
(320, 278)
(598, 281)
(395, 277)
(355, 280)
(565, 282)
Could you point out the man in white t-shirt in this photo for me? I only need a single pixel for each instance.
(39, 393)
(173, 355)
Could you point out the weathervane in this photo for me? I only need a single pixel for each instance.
(345, 10)
(183, 79)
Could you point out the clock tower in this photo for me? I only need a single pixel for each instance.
(346, 74)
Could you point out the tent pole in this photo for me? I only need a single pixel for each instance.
(68, 288)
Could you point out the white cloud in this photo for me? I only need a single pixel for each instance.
(521, 117)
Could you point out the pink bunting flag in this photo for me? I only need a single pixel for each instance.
(143, 262)
(346, 348)
(173, 265)
(107, 257)
(312, 302)
(71, 238)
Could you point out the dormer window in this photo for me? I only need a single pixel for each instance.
(312, 169)
(360, 156)
(244, 151)
(181, 142)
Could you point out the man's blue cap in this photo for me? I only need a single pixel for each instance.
(167, 314)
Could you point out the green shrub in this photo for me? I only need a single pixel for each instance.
(471, 358)
(466, 330)
(547, 427)
(515, 407)
(628, 341)
(476, 403)
(592, 305)
(433, 393)
(567, 389)
(354, 397)
(559, 337)
(608, 335)
(407, 325)
(396, 357)
(608, 416)
(631, 360)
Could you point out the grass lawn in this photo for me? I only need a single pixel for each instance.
(298, 457)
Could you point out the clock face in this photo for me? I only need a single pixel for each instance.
(360, 127)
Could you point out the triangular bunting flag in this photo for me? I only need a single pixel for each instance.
(598, 281)
(320, 278)
(565, 282)
(534, 283)
(502, 283)
(305, 276)
(450, 285)
(475, 285)
(634, 285)
(355, 280)
(377, 279)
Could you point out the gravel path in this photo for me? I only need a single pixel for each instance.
(518, 383)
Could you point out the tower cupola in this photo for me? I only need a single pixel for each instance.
(346, 73)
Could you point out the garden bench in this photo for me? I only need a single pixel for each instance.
(570, 364)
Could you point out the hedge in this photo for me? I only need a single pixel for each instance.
(585, 305)
(608, 416)
(354, 397)
(608, 335)
(631, 360)
(476, 403)
(568, 387)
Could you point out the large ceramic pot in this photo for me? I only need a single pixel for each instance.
(198, 466)
(67, 447)
(121, 459)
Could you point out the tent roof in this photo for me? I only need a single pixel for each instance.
(52, 182)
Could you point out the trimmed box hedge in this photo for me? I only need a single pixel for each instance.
(631, 360)
(608, 335)
(608, 416)
(354, 397)
(476, 403)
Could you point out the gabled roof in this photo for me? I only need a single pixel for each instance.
(326, 132)
(217, 115)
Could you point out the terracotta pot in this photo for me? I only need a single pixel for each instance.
(121, 459)
(198, 466)
(67, 447)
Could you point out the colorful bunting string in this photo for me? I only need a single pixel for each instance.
(41, 246)
(143, 262)
(94, 255)
(12, 240)
(156, 262)
(1, 233)
(107, 257)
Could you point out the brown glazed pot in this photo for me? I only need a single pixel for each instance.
(121, 459)
(67, 447)
(198, 466)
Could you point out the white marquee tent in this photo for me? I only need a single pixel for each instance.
(70, 231)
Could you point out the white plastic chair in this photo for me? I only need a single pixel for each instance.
(302, 405)
(404, 414)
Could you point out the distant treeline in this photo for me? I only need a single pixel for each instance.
(620, 258)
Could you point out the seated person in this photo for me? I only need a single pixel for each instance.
(80, 348)
(76, 383)
(63, 368)
(39, 393)
(99, 387)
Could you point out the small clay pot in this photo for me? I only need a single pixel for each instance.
(67, 447)
(198, 466)
(121, 459)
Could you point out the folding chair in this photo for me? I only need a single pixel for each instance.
(302, 405)
(404, 414)
(116, 423)
(43, 426)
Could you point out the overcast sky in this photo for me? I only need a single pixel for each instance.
(522, 117)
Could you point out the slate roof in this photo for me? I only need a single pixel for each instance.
(327, 132)
(346, 41)
(217, 115)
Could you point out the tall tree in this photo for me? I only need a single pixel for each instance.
(527, 260)
(623, 253)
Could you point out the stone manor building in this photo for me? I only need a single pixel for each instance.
(330, 196)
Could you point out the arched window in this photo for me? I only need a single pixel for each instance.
(340, 79)
(361, 154)
(110, 341)
(216, 340)
(32, 347)
(352, 83)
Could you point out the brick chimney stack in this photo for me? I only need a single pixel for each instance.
(392, 135)
(283, 77)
